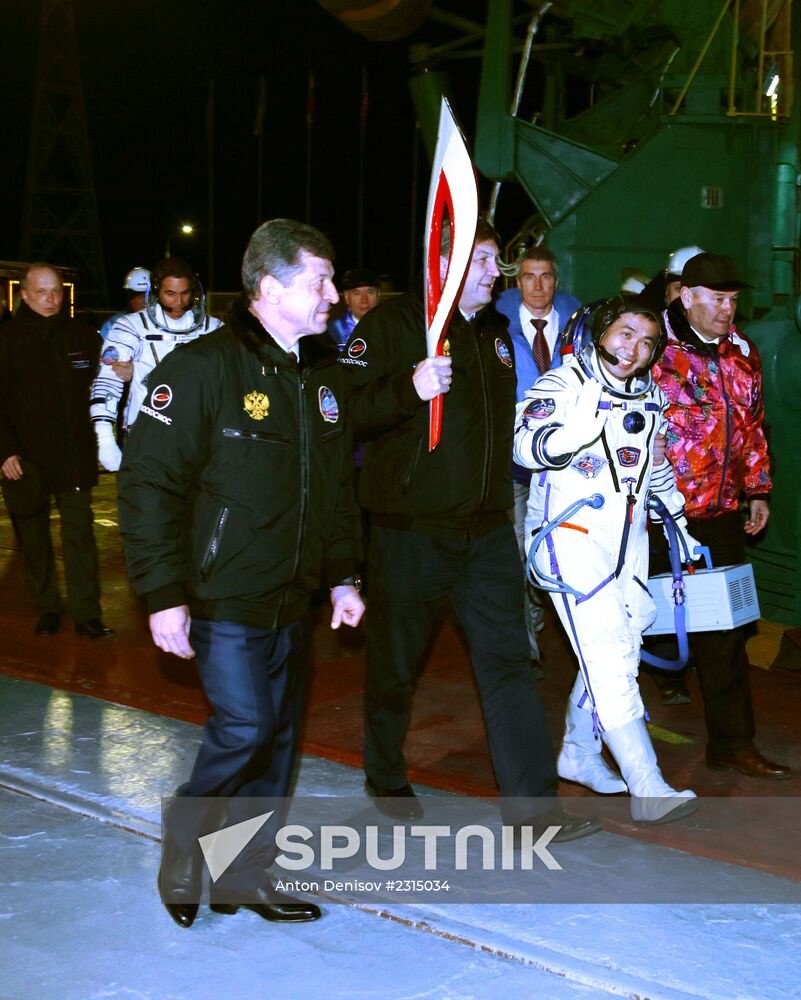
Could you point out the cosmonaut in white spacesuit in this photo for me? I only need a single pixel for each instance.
(589, 430)
(174, 314)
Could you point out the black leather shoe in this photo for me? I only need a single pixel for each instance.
(270, 904)
(48, 623)
(182, 913)
(180, 884)
(748, 761)
(570, 827)
(397, 803)
(94, 629)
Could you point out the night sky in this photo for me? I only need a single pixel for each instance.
(146, 69)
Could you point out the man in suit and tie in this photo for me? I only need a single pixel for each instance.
(537, 314)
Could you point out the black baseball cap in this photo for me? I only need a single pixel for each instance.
(358, 276)
(712, 270)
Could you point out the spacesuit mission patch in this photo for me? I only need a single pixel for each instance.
(538, 409)
(628, 456)
(588, 465)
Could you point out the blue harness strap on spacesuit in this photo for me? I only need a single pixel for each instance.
(676, 548)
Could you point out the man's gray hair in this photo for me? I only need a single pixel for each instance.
(538, 253)
(39, 265)
(276, 248)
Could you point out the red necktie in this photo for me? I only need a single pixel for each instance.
(539, 348)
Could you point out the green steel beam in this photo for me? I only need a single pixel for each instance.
(495, 136)
(557, 173)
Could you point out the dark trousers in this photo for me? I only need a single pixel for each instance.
(80, 557)
(410, 573)
(255, 681)
(720, 657)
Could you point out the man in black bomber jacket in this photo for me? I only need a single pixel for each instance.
(440, 528)
(235, 491)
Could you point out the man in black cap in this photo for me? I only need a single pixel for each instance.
(361, 292)
(712, 377)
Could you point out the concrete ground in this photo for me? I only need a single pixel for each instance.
(80, 788)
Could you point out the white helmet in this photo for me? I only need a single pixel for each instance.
(679, 258)
(137, 279)
(634, 280)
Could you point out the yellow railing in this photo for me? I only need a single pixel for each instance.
(772, 90)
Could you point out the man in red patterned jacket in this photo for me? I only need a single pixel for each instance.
(712, 377)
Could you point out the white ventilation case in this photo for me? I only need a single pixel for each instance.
(714, 599)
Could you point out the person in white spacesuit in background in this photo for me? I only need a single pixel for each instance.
(174, 314)
(590, 429)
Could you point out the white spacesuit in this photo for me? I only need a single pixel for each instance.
(588, 429)
(146, 338)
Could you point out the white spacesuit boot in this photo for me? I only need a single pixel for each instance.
(580, 758)
(652, 799)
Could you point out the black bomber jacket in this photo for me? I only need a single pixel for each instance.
(464, 486)
(236, 484)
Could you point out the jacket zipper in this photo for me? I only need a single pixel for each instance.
(725, 469)
(487, 426)
(304, 473)
(304, 486)
(67, 391)
(412, 467)
(214, 545)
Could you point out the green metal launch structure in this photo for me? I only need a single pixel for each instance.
(658, 124)
(684, 146)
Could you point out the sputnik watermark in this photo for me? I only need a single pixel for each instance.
(347, 850)
(301, 849)
(338, 842)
